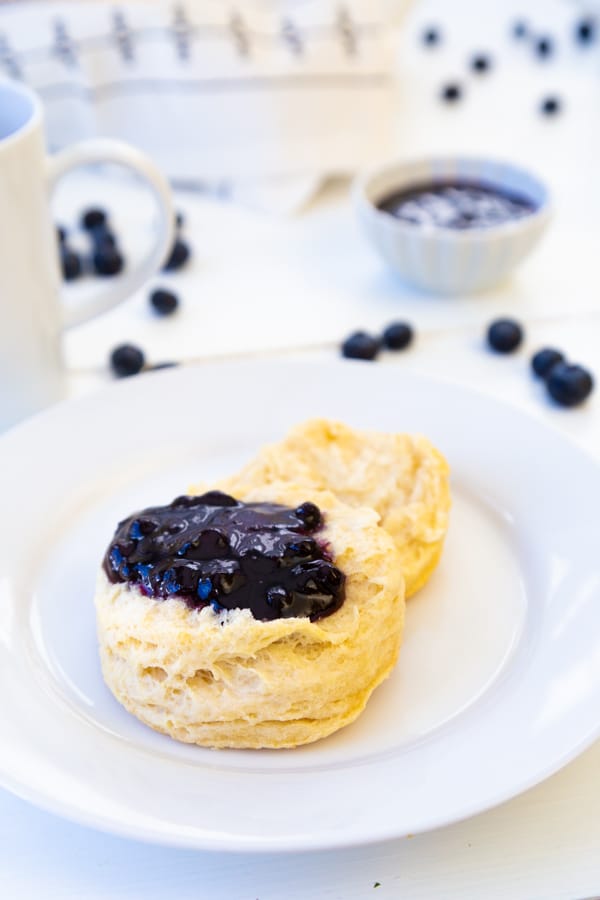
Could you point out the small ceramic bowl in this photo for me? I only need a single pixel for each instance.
(447, 260)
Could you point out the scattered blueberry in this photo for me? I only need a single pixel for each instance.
(360, 345)
(70, 263)
(397, 336)
(504, 335)
(451, 93)
(180, 254)
(550, 106)
(163, 302)
(103, 238)
(569, 385)
(544, 46)
(585, 30)
(432, 36)
(481, 63)
(544, 360)
(127, 360)
(107, 261)
(93, 218)
(520, 29)
(61, 234)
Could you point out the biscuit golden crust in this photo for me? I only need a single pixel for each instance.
(403, 477)
(228, 680)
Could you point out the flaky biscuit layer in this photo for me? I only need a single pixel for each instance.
(228, 680)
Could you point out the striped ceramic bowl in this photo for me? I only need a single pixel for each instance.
(446, 260)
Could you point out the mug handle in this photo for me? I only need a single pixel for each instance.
(106, 150)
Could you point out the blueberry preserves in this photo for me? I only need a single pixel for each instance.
(215, 550)
(460, 205)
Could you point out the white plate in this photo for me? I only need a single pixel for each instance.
(498, 683)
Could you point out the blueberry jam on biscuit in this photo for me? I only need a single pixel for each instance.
(215, 550)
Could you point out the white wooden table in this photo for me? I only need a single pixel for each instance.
(262, 286)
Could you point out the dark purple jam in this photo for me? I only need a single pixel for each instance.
(458, 204)
(215, 550)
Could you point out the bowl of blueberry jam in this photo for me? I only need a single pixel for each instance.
(452, 225)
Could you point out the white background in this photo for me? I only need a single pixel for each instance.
(262, 284)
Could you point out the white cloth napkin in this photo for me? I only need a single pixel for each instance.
(255, 100)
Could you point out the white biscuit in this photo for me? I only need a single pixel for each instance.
(229, 680)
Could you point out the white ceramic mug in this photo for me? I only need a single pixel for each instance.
(32, 316)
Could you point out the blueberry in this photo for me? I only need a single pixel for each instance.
(585, 30)
(61, 233)
(550, 106)
(451, 93)
(309, 514)
(163, 302)
(544, 46)
(520, 29)
(431, 36)
(70, 263)
(481, 63)
(569, 385)
(178, 257)
(205, 588)
(544, 360)
(397, 336)
(179, 220)
(103, 238)
(126, 360)
(504, 335)
(107, 261)
(360, 345)
(93, 218)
